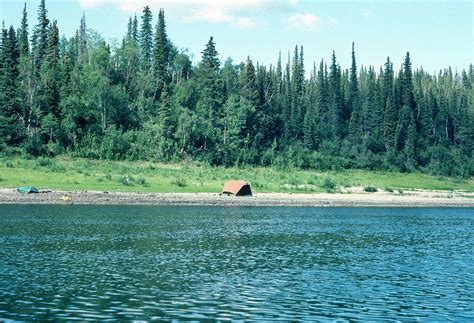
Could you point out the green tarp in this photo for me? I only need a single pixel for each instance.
(27, 189)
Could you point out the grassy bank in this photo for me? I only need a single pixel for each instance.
(64, 173)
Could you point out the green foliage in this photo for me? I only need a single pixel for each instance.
(329, 184)
(67, 173)
(371, 189)
(142, 99)
(179, 181)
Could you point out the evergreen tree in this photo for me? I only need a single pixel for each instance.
(40, 36)
(322, 103)
(50, 78)
(11, 129)
(288, 102)
(336, 99)
(353, 99)
(146, 38)
(146, 100)
(161, 53)
(129, 29)
(390, 123)
(210, 94)
(310, 121)
(23, 41)
(387, 80)
(135, 34)
(249, 101)
(353, 107)
(82, 57)
(164, 114)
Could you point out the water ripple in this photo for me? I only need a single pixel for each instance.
(165, 263)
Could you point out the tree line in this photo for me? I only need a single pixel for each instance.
(143, 99)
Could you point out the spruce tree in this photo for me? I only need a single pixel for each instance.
(164, 114)
(354, 108)
(387, 80)
(390, 123)
(135, 34)
(50, 76)
(82, 42)
(353, 99)
(11, 129)
(211, 93)
(336, 99)
(249, 99)
(146, 39)
(288, 101)
(129, 29)
(161, 53)
(322, 103)
(40, 36)
(23, 41)
(296, 88)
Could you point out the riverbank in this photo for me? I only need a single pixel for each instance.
(352, 197)
(64, 173)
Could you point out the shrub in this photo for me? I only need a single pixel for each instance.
(35, 147)
(370, 189)
(180, 182)
(329, 184)
(312, 180)
(45, 161)
(127, 180)
(388, 189)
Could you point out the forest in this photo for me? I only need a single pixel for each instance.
(144, 99)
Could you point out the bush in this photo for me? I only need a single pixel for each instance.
(35, 147)
(329, 184)
(180, 182)
(127, 180)
(388, 189)
(45, 162)
(114, 145)
(370, 189)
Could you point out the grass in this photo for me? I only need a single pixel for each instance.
(65, 173)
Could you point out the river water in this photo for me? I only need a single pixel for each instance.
(196, 263)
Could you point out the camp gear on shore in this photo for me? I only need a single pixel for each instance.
(237, 188)
(27, 189)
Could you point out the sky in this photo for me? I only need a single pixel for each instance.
(437, 33)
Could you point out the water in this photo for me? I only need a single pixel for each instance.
(193, 263)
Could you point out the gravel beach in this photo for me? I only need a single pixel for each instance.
(351, 197)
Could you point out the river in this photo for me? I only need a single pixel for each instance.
(194, 263)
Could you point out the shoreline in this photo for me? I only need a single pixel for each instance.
(353, 197)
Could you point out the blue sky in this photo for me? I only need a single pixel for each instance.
(438, 34)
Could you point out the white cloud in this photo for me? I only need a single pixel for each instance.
(214, 16)
(245, 23)
(303, 21)
(220, 5)
(233, 12)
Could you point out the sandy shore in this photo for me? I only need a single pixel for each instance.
(354, 197)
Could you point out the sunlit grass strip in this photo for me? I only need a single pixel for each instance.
(65, 173)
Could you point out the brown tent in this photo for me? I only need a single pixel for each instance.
(237, 188)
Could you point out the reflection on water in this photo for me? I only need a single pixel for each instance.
(115, 262)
